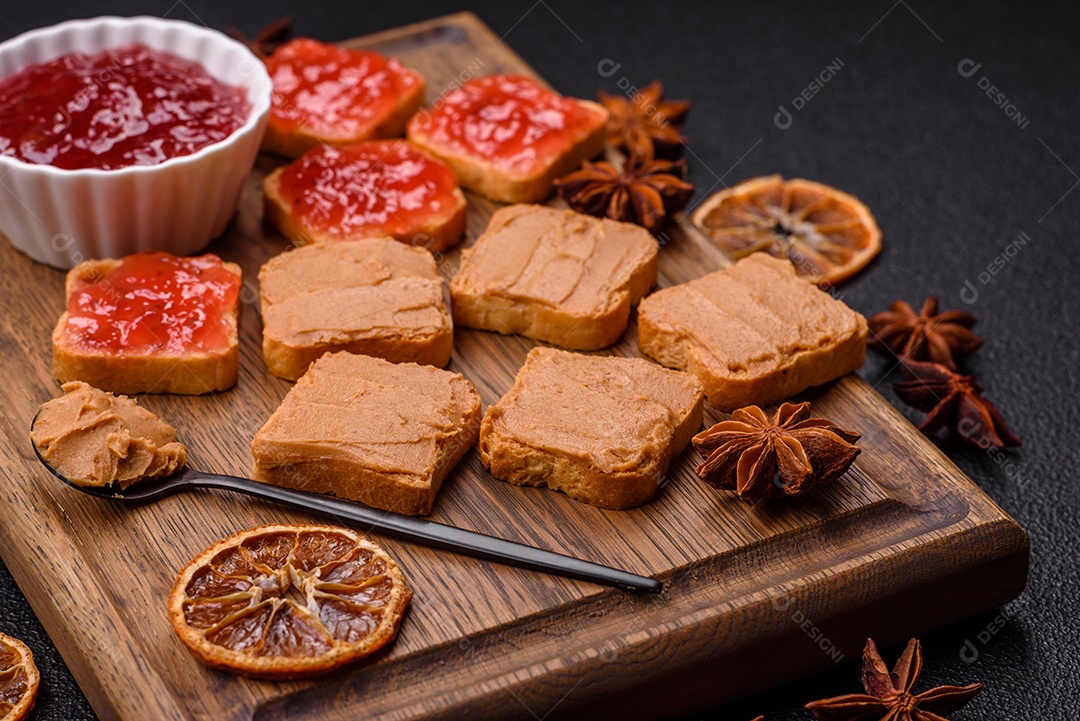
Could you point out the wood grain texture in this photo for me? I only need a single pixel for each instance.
(904, 542)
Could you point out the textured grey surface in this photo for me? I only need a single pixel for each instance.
(953, 180)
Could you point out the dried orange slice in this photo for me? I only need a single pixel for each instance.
(281, 602)
(827, 234)
(19, 679)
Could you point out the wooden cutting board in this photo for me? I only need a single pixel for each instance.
(753, 598)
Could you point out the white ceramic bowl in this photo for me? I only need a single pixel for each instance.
(62, 217)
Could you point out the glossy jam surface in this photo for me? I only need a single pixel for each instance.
(509, 121)
(154, 302)
(120, 107)
(388, 186)
(331, 92)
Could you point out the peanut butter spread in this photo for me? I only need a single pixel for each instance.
(338, 292)
(314, 268)
(753, 317)
(93, 438)
(366, 413)
(555, 257)
(398, 308)
(615, 413)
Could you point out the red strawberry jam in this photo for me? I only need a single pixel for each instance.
(154, 302)
(378, 187)
(334, 93)
(126, 106)
(508, 121)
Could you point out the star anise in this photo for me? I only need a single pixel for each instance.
(646, 193)
(646, 126)
(759, 457)
(888, 696)
(267, 40)
(926, 335)
(953, 401)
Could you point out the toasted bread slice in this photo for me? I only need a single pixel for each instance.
(522, 167)
(377, 297)
(358, 195)
(368, 430)
(554, 275)
(601, 429)
(754, 333)
(117, 338)
(313, 106)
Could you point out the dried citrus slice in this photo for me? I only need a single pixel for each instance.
(282, 602)
(827, 234)
(19, 679)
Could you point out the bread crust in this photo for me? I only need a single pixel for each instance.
(193, 373)
(398, 493)
(480, 307)
(673, 347)
(551, 325)
(803, 370)
(525, 463)
(405, 493)
(287, 357)
(294, 143)
(289, 361)
(482, 177)
(437, 234)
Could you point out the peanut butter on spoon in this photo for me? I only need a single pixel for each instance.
(93, 438)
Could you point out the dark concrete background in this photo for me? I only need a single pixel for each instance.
(953, 180)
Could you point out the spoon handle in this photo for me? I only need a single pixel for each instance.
(430, 533)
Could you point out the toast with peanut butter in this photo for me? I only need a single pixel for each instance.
(362, 428)
(601, 429)
(753, 334)
(376, 296)
(554, 275)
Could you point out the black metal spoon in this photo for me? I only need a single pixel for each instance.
(409, 528)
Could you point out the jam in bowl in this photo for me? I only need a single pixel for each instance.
(125, 134)
(124, 106)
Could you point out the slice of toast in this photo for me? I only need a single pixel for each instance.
(377, 297)
(362, 182)
(368, 430)
(554, 275)
(313, 105)
(114, 334)
(601, 429)
(754, 333)
(459, 130)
